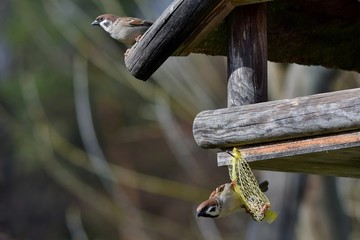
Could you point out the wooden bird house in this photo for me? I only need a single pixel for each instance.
(314, 134)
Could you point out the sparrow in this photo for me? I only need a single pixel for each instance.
(127, 30)
(224, 201)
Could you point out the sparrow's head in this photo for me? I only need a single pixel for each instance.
(105, 21)
(210, 208)
(224, 201)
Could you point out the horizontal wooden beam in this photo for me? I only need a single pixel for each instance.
(296, 147)
(278, 120)
(181, 27)
(335, 155)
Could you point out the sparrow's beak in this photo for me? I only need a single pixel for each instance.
(95, 23)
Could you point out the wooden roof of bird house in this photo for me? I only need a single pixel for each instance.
(307, 32)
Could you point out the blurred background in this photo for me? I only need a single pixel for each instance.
(89, 152)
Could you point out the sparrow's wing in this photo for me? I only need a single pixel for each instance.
(137, 22)
(264, 186)
(217, 191)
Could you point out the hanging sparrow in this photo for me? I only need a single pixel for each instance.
(224, 201)
(127, 30)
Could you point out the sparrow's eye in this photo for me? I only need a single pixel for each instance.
(100, 19)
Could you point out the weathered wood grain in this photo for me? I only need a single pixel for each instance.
(181, 22)
(181, 27)
(278, 120)
(247, 55)
(296, 147)
(299, 32)
(335, 155)
(215, 17)
(295, 34)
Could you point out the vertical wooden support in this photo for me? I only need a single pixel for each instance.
(247, 55)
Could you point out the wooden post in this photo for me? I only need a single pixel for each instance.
(247, 55)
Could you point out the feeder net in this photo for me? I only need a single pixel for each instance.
(247, 189)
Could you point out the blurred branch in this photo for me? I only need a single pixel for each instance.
(91, 144)
(74, 224)
(128, 177)
(45, 153)
(86, 126)
(177, 140)
(124, 176)
(333, 207)
(180, 80)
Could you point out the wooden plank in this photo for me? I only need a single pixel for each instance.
(247, 55)
(296, 147)
(340, 163)
(287, 42)
(306, 40)
(335, 155)
(183, 25)
(176, 25)
(213, 20)
(278, 120)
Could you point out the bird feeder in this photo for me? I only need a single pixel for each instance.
(314, 134)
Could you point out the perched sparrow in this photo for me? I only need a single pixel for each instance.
(224, 201)
(127, 30)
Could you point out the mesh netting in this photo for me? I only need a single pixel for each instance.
(247, 189)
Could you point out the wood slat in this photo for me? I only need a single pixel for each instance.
(335, 155)
(278, 120)
(177, 24)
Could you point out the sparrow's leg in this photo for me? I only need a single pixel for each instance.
(137, 39)
(127, 52)
(264, 208)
